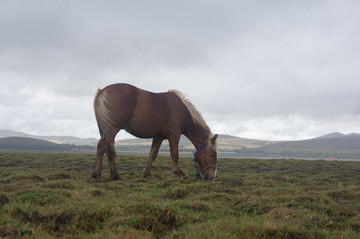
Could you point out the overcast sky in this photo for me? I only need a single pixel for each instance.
(276, 70)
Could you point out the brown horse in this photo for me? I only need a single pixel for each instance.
(152, 115)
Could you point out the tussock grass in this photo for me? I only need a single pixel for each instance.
(53, 195)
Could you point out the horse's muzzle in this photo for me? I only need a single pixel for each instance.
(209, 176)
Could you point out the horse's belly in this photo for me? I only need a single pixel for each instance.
(143, 129)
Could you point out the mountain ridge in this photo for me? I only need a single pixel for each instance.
(18, 143)
(334, 144)
(55, 139)
(337, 135)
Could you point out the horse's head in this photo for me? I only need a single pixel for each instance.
(207, 159)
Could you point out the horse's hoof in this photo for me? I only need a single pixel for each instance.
(178, 173)
(98, 179)
(115, 177)
(96, 176)
(146, 173)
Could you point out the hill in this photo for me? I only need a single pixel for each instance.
(226, 143)
(30, 144)
(342, 143)
(54, 139)
(337, 135)
(331, 145)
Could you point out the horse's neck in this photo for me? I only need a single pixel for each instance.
(197, 135)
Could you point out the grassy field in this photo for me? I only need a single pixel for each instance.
(53, 195)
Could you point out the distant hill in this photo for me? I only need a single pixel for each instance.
(330, 136)
(340, 143)
(334, 144)
(225, 143)
(54, 139)
(22, 143)
(331, 145)
(338, 135)
(10, 133)
(228, 142)
(30, 144)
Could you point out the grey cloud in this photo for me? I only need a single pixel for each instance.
(244, 61)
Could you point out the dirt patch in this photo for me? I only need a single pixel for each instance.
(344, 202)
(342, 195)
(55, 223)
(58, 223)
(8, 181)
(215, 196)
(232, 182)
(177, 194)
(39, 198)
(319, 223)
(97, 193)
(33, 218)
(61, 185)
(225, 190)
(59, 176)
(251, 208)
(89, 222)
(197, 207)
(61, 221)
(285, 233)
(154, 219)
(8, 165)
(10, 231)
(34, 178)
(3, 199)
(63, 218)
(167, 184)
(140, 181)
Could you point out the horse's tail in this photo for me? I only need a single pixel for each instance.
(103, 118)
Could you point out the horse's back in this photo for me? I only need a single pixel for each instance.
(157, 114)
(121, 89)
(146, 114)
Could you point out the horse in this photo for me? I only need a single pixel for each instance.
(159, 116)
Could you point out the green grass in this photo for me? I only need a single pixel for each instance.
(53, 195)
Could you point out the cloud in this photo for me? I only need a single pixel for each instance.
(256, 69)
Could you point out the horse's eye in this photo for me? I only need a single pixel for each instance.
(212, 155)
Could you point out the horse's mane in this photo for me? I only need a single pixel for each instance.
(195, 114)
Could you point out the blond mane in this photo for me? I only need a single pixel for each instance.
(195, 114)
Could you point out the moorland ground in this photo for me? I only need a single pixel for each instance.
(53, 195)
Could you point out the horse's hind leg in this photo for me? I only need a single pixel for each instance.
(114, 175)
(100, 151)
(156, 143)
(111, 153)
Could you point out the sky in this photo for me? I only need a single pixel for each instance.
(275, 70)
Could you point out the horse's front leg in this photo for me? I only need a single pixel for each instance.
(174, 151)
(155, 146)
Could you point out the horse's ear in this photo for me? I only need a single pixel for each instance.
(213, 139)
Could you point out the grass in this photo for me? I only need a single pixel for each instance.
(53, 195)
